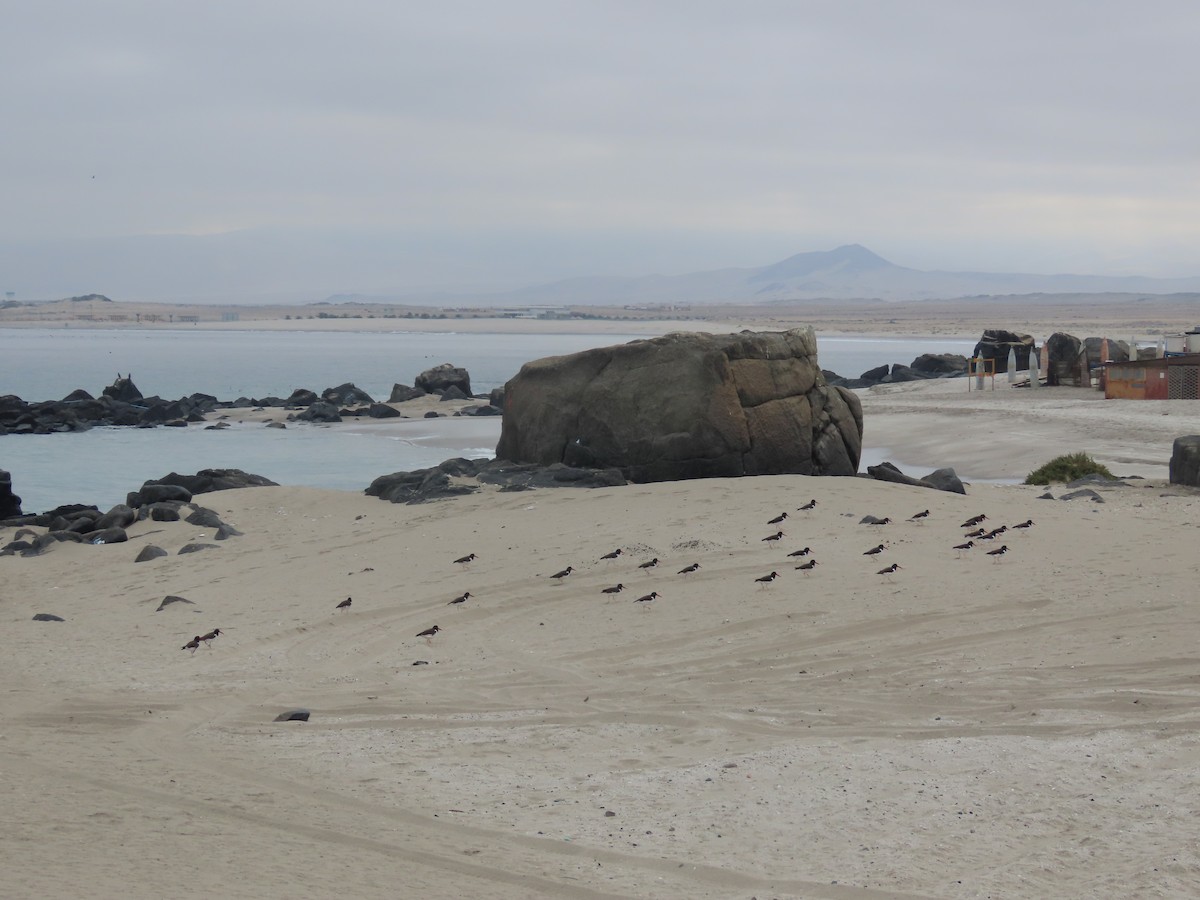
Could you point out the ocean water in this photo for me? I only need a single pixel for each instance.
(102, 465)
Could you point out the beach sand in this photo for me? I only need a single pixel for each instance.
(968, 727)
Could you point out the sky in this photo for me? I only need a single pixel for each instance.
(219, 150)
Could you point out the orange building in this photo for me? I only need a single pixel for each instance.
(1166, 378)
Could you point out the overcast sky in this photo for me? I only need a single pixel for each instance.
(510, 142)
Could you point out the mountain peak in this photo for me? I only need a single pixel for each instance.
(847, 259)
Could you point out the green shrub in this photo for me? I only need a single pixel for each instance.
(1067, 468)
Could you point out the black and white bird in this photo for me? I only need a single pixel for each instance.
(890, 570)
(917, 517)
(612, 555)
(470, 557)
(563, 574)
(977, 533)
(192, 644)
(779, 518)
(615, 589)
(345, 604)
(808, 566)
(962, 548)
(428, 633)
(767, 579)
(874, 551)
(1028, 523)
(211, 636)
(871, 520)
(998, 552)
(774, 537)
(646, 598)
(973, 521)
(811, 504)
(804, 552)
(466, 595)
(687, 570)
(649, 565)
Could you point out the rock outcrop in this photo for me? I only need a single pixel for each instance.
(996, 344)
(10, 503)
(441, 378)
(1185, 460)
(685, 406)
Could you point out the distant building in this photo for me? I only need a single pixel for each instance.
(1165, 378)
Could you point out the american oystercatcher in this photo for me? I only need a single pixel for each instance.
(808, 566)
(649, 565)
(563, 574)
(917, 517)
(998, 552)
(612, 555)
(647, 597)
(977, 533)
(615, 589)
(428, 633)
(470, 557)
(466, 595)
(774, 537)
(874, 551)
(345, 604)
(811, 504)
(890, 570)
(210, 637)
(779, 518)
(973, 521)
(686, 570)
(1028, 523)
(804, 552)
(192, 644)
(962, 548)
(767, 579)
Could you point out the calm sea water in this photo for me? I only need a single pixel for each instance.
(102, 465)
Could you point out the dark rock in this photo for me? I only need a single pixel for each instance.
(166, 511)
(171, 598)
(157, 492)
(346, 395)
(455, 393)
(685, 406)
(496, 398)
(120, 516)
(382, 411)
(1096, 479)
(77, 395)
(301, 397)
(320, 411)
(112, 535)
(150, 551)
(1086, 493)
(886, 471)
(1185, 460)
(293, 715)
(48, 617)
(402, 393)
(276, 425)
(1066, 358)
(203, 517)
(10, 503)
(941, 363)
(226, 531)
(207, 480)
(901, 373)
(432, 415)
(123, 389)
(15, 546)
(996, 344)
(875, 375)
(195, 548)
(443, 377)
(945, 480)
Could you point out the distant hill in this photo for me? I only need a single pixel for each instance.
(847, 272)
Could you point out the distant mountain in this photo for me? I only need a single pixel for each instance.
(848, 272)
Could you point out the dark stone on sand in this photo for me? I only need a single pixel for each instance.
(10, 503)
(203, 517)
(455, 393)
(875, 375)
(171, 598)
(276, 425)
(195, 547)
(225, 531)
(123, 389)
(940, 363)
(48, 617)
(441, 378)
(302, 397)
(432, 415)
(939, 479)
(166, 511)
(293, 715)
(382, 411)
(1097, 480)
(150, 551)
(1185, 460)
(1085, 494)
(152, 492)
(496, 398)
(120, 516)
(320, 411)
(402, 393)
(346, 395)
(945, 480)
(112, 535)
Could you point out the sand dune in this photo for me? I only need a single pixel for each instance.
(965, 727)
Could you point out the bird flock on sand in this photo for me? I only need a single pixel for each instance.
(977, 536)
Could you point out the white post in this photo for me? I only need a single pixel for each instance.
(1035, 368)
(979, 373)
(1012, 365)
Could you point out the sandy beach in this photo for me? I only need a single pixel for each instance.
(969, 726)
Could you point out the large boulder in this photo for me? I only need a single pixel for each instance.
(685, 406)
(123, 389)
(996, 344)
(440, 378)
(1185, 460)
(941, 363)
(1065, 352)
